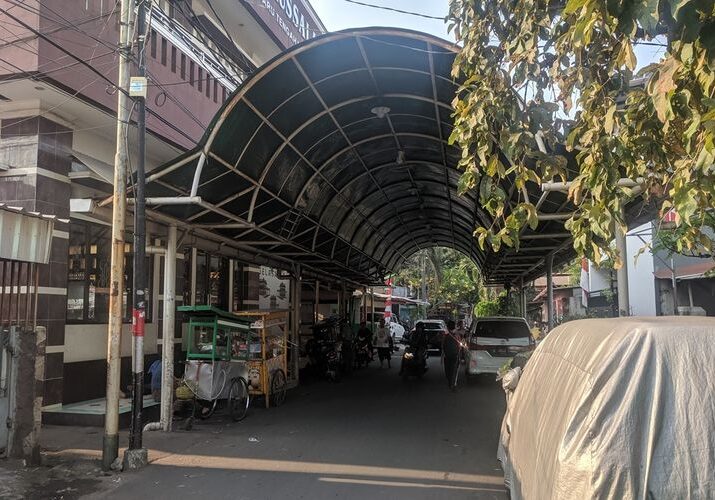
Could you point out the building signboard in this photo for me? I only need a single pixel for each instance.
(274, 292)
(289, 21)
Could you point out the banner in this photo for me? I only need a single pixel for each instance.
(388, 300)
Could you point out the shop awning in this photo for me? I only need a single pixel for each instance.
(690, 271)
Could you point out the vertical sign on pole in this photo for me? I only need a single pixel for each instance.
(388, 300)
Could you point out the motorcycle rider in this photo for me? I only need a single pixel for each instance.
(418, 340)
(364, 336)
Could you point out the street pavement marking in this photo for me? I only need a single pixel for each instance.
(405, 484)
(263, 465)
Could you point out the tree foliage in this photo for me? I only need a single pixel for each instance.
(451, 277)
(539, 73)
(505, 304)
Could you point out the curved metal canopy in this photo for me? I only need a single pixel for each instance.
(335, 155)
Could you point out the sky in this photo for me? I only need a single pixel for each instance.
(339, 14)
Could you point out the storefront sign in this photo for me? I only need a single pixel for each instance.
(290, 21)
(273, 292)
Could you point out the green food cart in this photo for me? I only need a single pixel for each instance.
(216, 360)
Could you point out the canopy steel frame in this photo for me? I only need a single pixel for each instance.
(321, 181)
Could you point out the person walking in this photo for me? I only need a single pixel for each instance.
(460, 331)
(383, 344)
(451, 347)
(347, 349)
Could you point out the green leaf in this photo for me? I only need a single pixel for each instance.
(609, 119)
(532, 217)
(630, 57)
(646, 11)
(574, 5)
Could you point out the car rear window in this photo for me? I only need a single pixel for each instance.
(432, 326)
(502, 329)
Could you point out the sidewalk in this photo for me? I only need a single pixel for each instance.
(71, 464)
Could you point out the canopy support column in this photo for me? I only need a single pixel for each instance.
(550, 292)
(624, 307)
(522, 297)
(168, 323)
(295, 305)
(317, 301)
(372, 309)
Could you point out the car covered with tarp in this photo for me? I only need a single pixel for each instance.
(614, 408)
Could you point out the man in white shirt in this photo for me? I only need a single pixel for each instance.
(382, 342)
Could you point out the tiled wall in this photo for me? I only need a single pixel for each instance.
(35, 152)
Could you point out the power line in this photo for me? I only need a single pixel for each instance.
(102, 76)
(97, 72)
(400, 11)
(133, 58)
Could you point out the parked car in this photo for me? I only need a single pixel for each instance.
(493, 341)
(435, 329)
(614, 408)
(397, 331)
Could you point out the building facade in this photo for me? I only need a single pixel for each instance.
(58, 104)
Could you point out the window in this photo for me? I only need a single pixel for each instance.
(191, 73)
(173, 59)
(88, 279)
(152, 43)
(163, 51)
(502, 329)
(200, 79)
(208, 85)
(218, 282)
(215, 90)
(183, 67)
(237, 286)
(211, 280)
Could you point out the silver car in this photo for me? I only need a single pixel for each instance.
(494, 340)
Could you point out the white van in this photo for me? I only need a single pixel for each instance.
(493, 340)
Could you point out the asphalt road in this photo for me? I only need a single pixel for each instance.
(371, 436)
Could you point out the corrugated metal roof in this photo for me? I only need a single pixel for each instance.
(25, 236)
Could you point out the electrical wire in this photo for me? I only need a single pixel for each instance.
(193, 20)
(98, 40)
(391, 9)
(62, 103)
(403, 46)
(97, 72)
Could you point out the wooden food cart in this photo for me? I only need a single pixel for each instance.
(217, 360)
(267, 357)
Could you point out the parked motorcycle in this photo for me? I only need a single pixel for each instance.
(325, 358)
(414, 362)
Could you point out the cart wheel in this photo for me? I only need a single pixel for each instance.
(238, 399)
(204, 409)
(278, 387)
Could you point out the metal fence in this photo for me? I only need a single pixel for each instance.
(18, 293)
